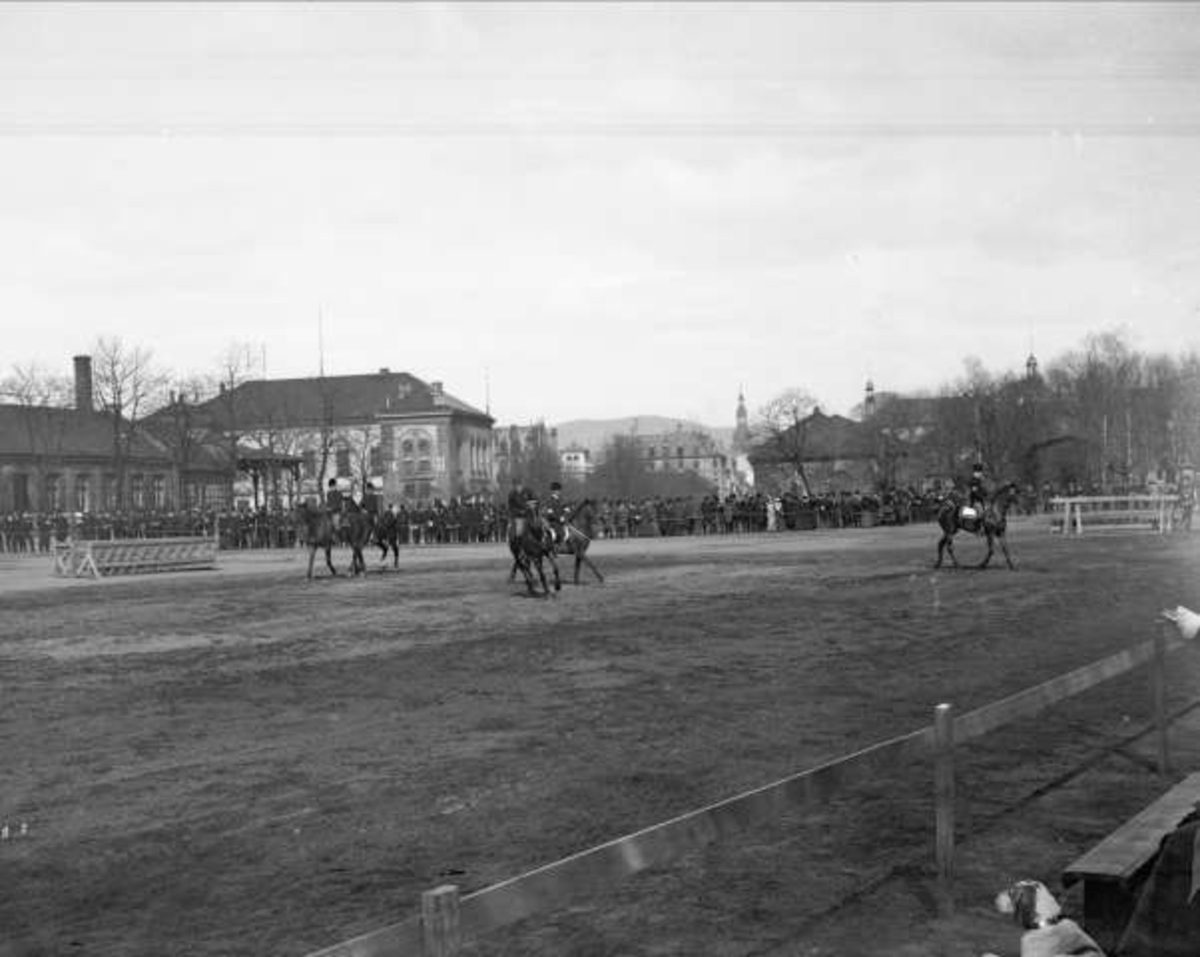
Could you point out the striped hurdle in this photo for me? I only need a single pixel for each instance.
(133, 556)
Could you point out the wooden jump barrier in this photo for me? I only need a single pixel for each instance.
(131, 556)
(1114, 512)
(447, 919)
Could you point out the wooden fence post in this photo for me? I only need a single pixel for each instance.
(1158, 695)
(943, 787)
(440, 928)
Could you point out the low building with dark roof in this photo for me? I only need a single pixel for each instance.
(836, 454)
(63, 459)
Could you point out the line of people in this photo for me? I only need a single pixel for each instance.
(484, 519)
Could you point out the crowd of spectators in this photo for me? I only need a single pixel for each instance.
(479, 519)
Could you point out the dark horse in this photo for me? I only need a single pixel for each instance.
(992, 524)
(532, 545)
(580, 530)
(317, 531)
(387, 536)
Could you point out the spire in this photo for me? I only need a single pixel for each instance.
(869, 401)
(741, 434)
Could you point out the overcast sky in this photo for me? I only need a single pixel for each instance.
(594, 210)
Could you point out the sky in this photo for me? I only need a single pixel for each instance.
(596, 210)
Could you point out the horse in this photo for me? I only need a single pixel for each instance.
(992, 524)
(387, 536)
(532, 544)
(317, 531)
(580, 529)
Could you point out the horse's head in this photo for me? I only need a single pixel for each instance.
(1006, 495)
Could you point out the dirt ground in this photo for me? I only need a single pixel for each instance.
(243, 762)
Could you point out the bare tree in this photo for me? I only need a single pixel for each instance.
(177, 427)
(42, 399)
(780, 432)
(32, 385)
(128, 386)
(622, 472)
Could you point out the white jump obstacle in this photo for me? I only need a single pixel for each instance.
(1113, 513)
(133, 556)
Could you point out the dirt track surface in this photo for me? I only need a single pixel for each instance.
(244, 762)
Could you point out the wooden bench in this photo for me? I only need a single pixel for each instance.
(1113, 871)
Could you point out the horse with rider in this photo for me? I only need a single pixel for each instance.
(983, 514)
(530, 539)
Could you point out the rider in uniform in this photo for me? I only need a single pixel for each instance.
(334, 503)
(976, 493)
(519, 499)
(370, 501)
(555, 513)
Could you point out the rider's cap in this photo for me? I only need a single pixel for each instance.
(555, 486)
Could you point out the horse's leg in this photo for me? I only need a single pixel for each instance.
(521, 561)
(329, 558)
(541, 570)
(1003, 539)
(947, 545)
(991, 549)
(312, 554)
(554, 568)
(595, 571)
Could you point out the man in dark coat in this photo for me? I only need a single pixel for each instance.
(554, 511)
(1166, 918)
(370, 501)
(519, 499)
(335, 503)
(976, 493)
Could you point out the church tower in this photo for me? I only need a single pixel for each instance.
(1031, 367)
(869, 400)
(741, 432)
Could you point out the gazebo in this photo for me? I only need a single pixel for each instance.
(266, 470)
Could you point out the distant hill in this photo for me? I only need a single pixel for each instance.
(593, 434)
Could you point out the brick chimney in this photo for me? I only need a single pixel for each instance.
(83, 384)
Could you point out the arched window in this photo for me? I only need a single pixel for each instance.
(54, 496)
(82, 497)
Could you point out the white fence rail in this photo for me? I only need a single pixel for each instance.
(1114, 513)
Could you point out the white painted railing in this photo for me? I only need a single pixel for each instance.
(1109, 512)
